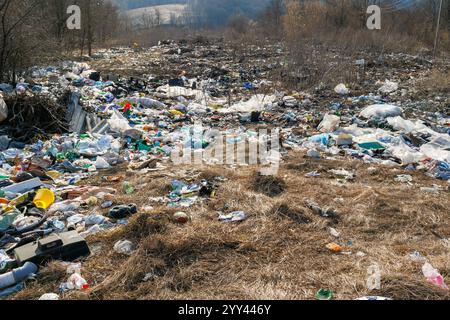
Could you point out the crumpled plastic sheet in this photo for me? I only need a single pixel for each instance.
(440, 170)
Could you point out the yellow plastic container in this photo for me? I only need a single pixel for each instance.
(44, 198)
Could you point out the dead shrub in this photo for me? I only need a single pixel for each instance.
(143, 225)
(285, 211)
(270, 186)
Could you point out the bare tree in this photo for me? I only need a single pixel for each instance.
(158, 17)
(173, 19)
(271, 19)
(148, 20)
(14, 17)
(448, 14)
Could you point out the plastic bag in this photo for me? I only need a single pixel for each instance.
(101, 163)
(124, 247)
(147, 102)
(437, 149)
(92, 230)
(381, 111)
(94, 219)
(321, 138)
(65, 206)
(196, 108)
(405, 154)
(118, 122)
(433, 276)
(329, 123)
(341, 89)
(400, 124)
(256, 103)
(236, 216)
(389, 87)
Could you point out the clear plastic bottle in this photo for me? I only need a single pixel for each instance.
(77, 282)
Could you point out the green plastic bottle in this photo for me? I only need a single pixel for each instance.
(324, 294)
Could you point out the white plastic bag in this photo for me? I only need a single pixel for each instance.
(407, 126)
(341, 89)
(381, 111)
(389, 87)
(437, 149)
(101, 163)
(147, 102)
(124, 247)
(329, 123)
(118, 122)
(196, 108)
(256, 103)
(405, 153)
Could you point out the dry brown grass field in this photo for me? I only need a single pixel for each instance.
(280, 251)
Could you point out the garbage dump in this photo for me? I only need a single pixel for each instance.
(87, 173)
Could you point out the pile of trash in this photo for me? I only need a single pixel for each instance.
(394, 141)
(47, 212)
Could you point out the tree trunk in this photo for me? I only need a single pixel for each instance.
(448, 15)
(82, 42)
(89, 18)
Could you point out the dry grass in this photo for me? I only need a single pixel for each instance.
(437, 81)
(279, 251)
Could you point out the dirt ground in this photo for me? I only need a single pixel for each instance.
(280, 251)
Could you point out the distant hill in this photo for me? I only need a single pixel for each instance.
(218, 12)
(134, 4)
(166, 12)
(214, 12)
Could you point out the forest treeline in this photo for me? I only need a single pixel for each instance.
(34, 31)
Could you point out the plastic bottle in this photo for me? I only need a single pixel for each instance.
(44, 198)
(77, 282)
(324, 294)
